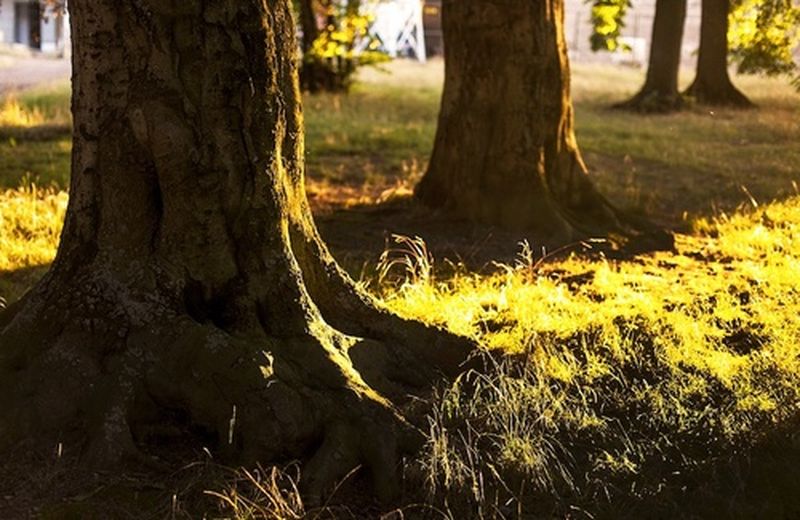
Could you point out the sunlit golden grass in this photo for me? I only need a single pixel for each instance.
(262, 494)
(662, 364)
(30, 224)
(15, 113)
(12, 113)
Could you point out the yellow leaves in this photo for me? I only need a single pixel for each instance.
(763, 36)
(348, 38)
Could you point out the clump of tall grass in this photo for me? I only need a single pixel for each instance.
(30, 223)
(262, 494)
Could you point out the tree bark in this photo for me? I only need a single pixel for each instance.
(190, 276)
(660, 91)
(505, 151)
(712, 84)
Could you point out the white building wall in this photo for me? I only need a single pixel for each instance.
(53, 29)
(6, 22)
(637, 32)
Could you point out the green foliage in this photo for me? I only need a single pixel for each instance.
(343, 45)
(763, 35)
(608, 20)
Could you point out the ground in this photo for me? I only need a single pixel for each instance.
(23, 72)
(639, 382)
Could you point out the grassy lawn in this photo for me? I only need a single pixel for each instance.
(658, 386)
(675, 167)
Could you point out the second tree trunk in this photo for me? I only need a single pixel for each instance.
(712, 85)
(505, 150)
(660, 91)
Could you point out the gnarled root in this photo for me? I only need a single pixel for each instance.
(261, 397)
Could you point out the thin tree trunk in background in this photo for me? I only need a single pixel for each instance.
(308, 23)
(505, 151)
(190, 280)
(712, 84)
(314, 77)
(660, 91)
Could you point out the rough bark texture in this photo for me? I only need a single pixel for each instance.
(712, 84)
(505, 150)
(660, 91)
(190, 277)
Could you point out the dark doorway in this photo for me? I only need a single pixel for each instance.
(35, 13)
(28, 24)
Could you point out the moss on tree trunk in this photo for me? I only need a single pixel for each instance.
(660, 90)
(190, 275)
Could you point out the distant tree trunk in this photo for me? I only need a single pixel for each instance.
(190, 277)
(505, 150)
(660, 91)
(308, 22)
(712, 84)
(314, 77)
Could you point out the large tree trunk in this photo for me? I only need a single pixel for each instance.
(660, 91)
(190, 276)
(712, 84)
(505, 150)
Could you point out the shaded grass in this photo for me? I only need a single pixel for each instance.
(45, 162)
(675, 167)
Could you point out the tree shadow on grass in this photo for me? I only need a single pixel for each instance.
(48, 132)
(761, 480)
(671, 195)
(357, 236)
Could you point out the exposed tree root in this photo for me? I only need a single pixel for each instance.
(653, 102)
(723, 95)
(316, 392)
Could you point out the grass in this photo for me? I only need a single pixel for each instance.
(694, 161)
(675, 167)
(30, 224)
(34, 147)
(642, 373)
(637, 386)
